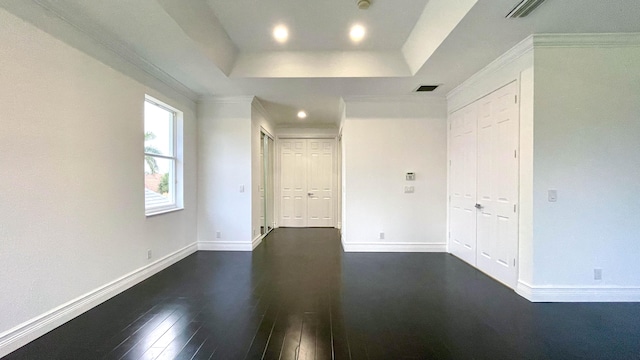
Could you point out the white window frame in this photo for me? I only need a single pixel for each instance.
(176, 187)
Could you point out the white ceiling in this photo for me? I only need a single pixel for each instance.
(317, 25)
(224, 48)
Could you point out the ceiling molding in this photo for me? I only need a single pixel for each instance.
(550, 41)
(306, 127)
(243, 99)
(118, 48)
(522, 48)
(257, 105)
(586, 40)
(407, 98)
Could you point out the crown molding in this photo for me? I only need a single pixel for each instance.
(537, 41)
(519, 50)
(120, 49)
(257, 105)
(243, 99)
(586, 40)
(306, 127)
(407, 98)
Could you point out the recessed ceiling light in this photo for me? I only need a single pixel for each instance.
(281, 33)
(302, 115)
(357, 33)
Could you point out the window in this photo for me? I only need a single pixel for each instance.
(162, 165)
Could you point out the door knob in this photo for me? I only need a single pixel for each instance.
(478, 206)
(310, 194)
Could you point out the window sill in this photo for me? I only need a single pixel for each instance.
(162, 211)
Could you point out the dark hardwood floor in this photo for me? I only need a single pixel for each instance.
(299, 297)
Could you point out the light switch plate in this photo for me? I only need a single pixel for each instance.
(553, 195)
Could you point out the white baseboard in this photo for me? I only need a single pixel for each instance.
(393, 247)
(225, 245)
(257, 241)
(30, 330)
(550, 293)
(230, 245)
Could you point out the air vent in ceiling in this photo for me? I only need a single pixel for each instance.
(426, 88)
(524, 8)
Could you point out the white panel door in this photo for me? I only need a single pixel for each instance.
(320, 183)
(497, 188)
(307, 182)
(462, 225)
(293, 180)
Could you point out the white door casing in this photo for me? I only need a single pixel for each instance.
(307, 182)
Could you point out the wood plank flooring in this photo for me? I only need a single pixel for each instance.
(298, 296)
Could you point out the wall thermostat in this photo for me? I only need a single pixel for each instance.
(410, 176)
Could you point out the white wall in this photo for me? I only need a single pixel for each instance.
(381, 142)
(72, 208)
(224, 165)
(587, 130)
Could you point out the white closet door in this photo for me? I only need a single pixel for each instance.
(320, 183)
(497, 189)
(307, 182)
(463, 171)
(293, 180)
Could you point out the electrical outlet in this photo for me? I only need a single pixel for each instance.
(149, 254)
(218, 235)
(409, 189)
(381, 236)
(597, 274)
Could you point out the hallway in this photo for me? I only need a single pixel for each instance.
(299, 296)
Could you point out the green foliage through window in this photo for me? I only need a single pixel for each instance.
(163, 187)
